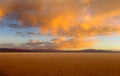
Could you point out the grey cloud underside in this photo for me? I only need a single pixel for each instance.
(29, 34)
(30, 45)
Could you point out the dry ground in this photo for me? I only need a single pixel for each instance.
(59, 64)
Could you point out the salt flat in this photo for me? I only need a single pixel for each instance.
(59, 64)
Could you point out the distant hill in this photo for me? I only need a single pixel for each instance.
(98, 51)
(54, 50)
(26, 50)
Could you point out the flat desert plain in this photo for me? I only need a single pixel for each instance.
(59, 64)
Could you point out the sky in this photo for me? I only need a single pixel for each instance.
(60, 24)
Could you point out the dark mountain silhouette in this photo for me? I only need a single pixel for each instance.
(99, 51)
(26, 50)
(54, 50)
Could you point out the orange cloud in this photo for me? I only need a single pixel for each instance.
(1, 13)
(75, 19)
(72, 43)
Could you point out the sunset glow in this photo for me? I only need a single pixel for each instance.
(60, 24)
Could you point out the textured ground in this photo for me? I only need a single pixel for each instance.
(59, 64)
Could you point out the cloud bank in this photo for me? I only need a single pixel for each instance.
(73, 21)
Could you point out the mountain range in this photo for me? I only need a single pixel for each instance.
(54, 50)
